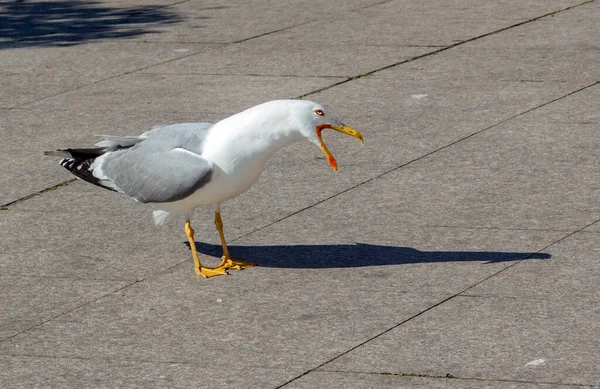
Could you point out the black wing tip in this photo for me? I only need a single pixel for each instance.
(79, 162)
(81, 169)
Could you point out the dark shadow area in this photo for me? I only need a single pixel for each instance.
(355, 255)
(64, 23)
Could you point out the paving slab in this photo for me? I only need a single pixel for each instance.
(408, 23)
(593, 228)
(490, 338)
(117, 241)
(181, 318)
(570, 274)
(38, 372)
(423, 107)
(32, 73)
(191, 93)
(30, 301)
(503, 10)
(227, 22)
(575, 29)
(519, 174)
(350, 380)
(279, 54)
(478, 61)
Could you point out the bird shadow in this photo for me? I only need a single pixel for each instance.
(26, 23)
(356, 255)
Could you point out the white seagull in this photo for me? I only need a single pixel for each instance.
(183, 166)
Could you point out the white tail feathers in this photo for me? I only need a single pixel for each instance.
(161, 217)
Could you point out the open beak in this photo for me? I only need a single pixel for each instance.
(344, 129)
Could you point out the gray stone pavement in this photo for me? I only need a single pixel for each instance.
(458, 249)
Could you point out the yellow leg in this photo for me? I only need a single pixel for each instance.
(226, 261)
(201, 270)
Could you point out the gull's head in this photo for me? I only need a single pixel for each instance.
(312, 118)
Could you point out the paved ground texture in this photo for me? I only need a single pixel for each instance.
(459, 248)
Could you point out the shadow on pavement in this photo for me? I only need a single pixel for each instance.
(356, 255)
(66, 23)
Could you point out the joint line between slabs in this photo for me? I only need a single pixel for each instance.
(39, 192)
(442, 49)
(418, 375)
(367, 341)
(70, 310)
(531, 255)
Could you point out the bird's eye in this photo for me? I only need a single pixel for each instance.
(319, 112)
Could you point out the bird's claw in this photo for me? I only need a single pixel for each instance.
(221, 270)
(208, 272)
(234, 264)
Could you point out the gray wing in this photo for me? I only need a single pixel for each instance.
(169, 136)
(162, 165)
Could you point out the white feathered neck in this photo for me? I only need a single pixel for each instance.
(254, 134)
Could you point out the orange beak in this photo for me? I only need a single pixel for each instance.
(343, 129)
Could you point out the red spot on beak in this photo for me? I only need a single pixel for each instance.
(332, 162)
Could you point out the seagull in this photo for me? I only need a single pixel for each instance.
(183, 166)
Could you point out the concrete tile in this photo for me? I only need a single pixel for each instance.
(575, 29)
(267, 321)
(403, 120)
(429, 26)
(83, 232)
(25, 174)
(578, 109)
(529, 172)
(571, 273)
(490, 338)
(350, 380)
(292, 53)
(476, 62)
(212, 22)
(593, 228)
(508, 10)
(34, 371)
(29, 301)
(19, 89)
(188, 93)
(439, 105)
(29, 74)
